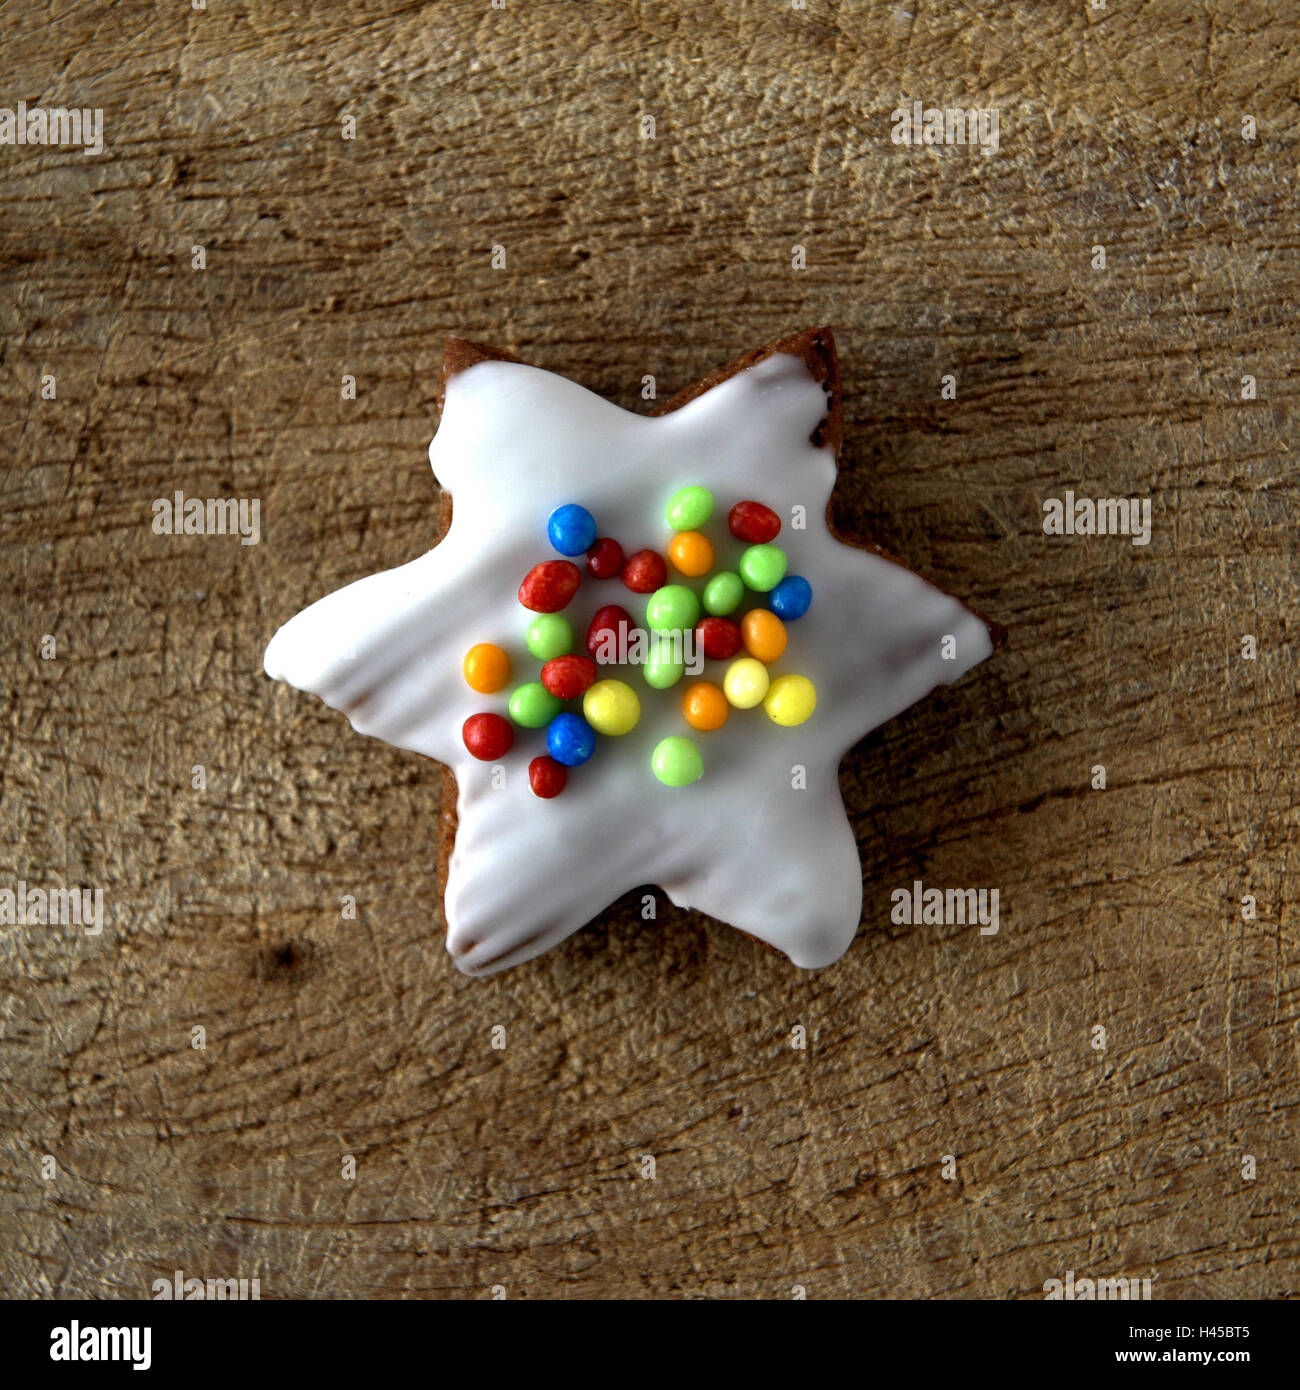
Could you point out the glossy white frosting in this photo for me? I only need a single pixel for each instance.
(743, 844)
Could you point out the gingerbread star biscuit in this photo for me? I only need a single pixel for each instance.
(641, 652)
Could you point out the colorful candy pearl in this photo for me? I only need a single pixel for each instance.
(753, 523)
(532, 706)
(791, 598)
(611, 707)
(746, 682)
(723, 593)
(705, 706)
(487, 668)
(762, 567)
(549, 634)
(689, 508)
(570, 739)
(608, 633)
(571, 529)
(550, 586)
(546, 777)
(672, 608)
(719, 638)
(790, 700)
(645, 572)
(567, 677)
(487, 736)
(763, 634)
(691, 554)
(663, 670)
(605, 559)
(676, 762)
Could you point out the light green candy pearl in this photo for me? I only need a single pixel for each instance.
(689, 508)
(762, 567)
(663, 672)
(532, 706)
(671, 608)
(549, 635)
(722, 594)
(676, 762)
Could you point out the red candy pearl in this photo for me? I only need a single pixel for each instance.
(546, 777)
(613, 620)
(487, 736)
(548, 587)
(605, 559)
(753, 523)
(719, 637)
(567, 677)
(645, 572)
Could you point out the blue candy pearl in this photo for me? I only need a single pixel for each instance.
(791, 598)
(572, 529)
(570, 740)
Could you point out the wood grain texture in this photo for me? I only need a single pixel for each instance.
(626, 256)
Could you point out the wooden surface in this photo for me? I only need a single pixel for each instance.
(775, 1167)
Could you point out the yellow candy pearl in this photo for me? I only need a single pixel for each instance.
(763, 634)
(745, 683)
(611, 707)
(487, 668)
(790, 700)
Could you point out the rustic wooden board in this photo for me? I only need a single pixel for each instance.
(775, 1167)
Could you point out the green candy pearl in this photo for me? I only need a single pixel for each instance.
(549, 635)
(532, 706)
(663, 672)
(672, 608)
(722, 594)
(762, 567)
(677, 762)
(689, 508)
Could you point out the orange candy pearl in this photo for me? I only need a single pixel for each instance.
(705, 707)
(691, 553)
(487, 668)
(763, 634)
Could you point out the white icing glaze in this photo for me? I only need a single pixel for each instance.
(742, 844)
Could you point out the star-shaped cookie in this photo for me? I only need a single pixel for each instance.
(761, 840)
